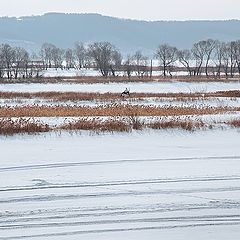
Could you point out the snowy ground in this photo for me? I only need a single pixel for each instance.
(69, 72)
(52, 72)
(162, 102)
(144, 185)
(165, 184)
(155, 87)
(94, 73)
(216, 121)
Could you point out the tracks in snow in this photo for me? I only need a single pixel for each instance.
(104, 162)
(83, 208)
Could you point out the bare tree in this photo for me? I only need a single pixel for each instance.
(226, 59)
(7, 58)
(116, 62)
(80, 54)
(209, 46)
(229, 57)
(185, 57)
(102, 54)
(138, 57)
(57, 57)
(69, 58)
(198, 51)
(35, 66)
(166, 55)
(140, 62)
(220, 51)
(128, 66)
(46, 54)
(232, 57)
(20, 61)
(2, 64)
(237, 54)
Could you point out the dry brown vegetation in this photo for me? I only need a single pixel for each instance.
(131, 123)
(90, 96)
(110, 110)
(9, 126)
(119, 79)
(185, 124)
(234, 123)
(120, 117)
(98, 125)
(80, 80)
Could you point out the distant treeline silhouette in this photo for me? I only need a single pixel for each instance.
(209, 57)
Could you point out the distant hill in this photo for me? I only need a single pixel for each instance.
(128, 35)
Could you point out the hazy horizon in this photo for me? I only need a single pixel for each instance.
(151, 10)
(104, 15)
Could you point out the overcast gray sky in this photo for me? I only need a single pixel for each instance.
(133, 9)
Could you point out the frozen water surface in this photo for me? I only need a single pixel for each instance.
(144, 185)
(171, 185)
(156, 87)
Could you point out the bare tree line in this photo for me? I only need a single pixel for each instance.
(208, 58)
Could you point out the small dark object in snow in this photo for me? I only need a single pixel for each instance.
(125, 93)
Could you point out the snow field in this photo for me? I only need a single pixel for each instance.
(154, 87)
(162, 184)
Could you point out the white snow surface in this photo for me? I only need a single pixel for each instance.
(154, 87)
(166, 184)
(145, 185)
(52, 72)
(161, 102)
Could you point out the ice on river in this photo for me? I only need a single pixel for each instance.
(155, 87)
(139, 186)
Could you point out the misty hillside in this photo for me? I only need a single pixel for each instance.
(128, 35)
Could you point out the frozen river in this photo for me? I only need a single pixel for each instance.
(167, 185)
(155, 87)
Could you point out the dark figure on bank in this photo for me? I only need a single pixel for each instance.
(125, 93)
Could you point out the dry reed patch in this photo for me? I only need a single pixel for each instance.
(234, 123)
(135, 122)
(118, 79)
(10, 127)
(230, 94)
(185, 124)
(124, 79)
(80, 80)
(98, 125)
(128, 125)
(110, 110)
(91, 96)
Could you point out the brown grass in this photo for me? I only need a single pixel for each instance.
(98, 125)
(128, 124)
(109, 110)
(119, 79)
(186, 124)
(10, 127)
(234, 123)
(90, 96)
